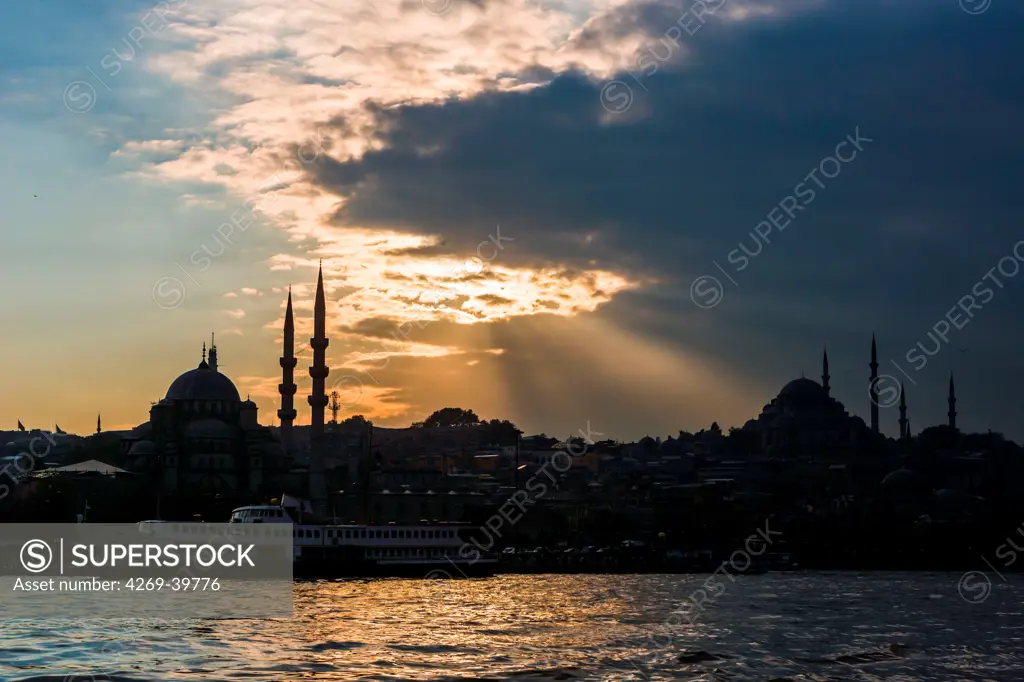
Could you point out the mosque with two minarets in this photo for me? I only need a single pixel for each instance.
(202, 437)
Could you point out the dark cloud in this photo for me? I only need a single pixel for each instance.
(494, 300)
(711, 147)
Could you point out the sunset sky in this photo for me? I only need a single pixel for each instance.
(618, 152)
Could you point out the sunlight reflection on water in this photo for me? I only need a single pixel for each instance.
(806, 626)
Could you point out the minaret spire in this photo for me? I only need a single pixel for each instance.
(213, 352)
(99, 426)
(287, 387)
(952, 404)
(824, 371)
(318, 398)
(874, 385)
(904, 424)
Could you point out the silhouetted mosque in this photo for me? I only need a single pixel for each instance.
(203, 436)
(805, 420)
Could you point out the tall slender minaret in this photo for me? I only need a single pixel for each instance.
(874, 386)
(952, 404)
(824, 371)
(213, 353)
(99, 428)
(318, 399)
(904, 424)
(287, 386)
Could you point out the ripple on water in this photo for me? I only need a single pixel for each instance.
(796, 626)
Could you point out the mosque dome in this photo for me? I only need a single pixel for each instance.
(951, 496)
(209, 429)
(143, 447)
(203, 383)
(803, 390)
(903, 479)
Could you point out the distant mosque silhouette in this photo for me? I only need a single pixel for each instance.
(804, 419)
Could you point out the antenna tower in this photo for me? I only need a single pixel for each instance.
(335, 406)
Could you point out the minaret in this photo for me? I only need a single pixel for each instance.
(824, 372)
(286, 388)
(318, 399)
(904, 424)
(874, 386)
(952, 404)
(99, 427)
(213, 353)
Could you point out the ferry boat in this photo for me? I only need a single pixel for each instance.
(339, 550)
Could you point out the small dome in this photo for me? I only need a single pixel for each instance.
(950, 495)
(903, 478)
(143, 430)
(203, 383)
(209, 428)
(142, 447)
(248, 405)
(785, 421)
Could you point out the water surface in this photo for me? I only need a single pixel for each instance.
(796, 626)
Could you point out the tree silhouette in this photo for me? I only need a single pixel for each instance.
(502, 432)
(449, 416)
(356, 420)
